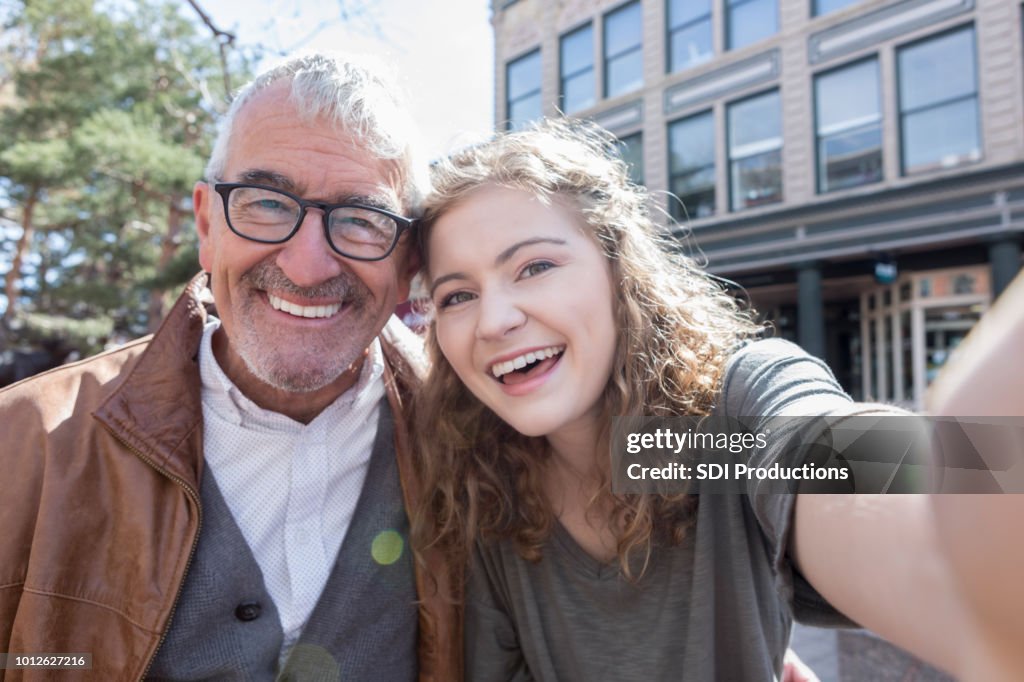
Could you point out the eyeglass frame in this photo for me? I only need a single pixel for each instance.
(224, 189)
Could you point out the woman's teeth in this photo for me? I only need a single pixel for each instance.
(499, 369)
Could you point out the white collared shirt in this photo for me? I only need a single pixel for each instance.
(292, 488)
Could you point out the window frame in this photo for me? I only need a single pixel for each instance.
(776, 90)
(676, 204)
(902, 114)
(818, 137)
(817, 12)
(606, 59)
(730, 6)
(620, 141)
(671, 30)
(508, 99)
(563, 77)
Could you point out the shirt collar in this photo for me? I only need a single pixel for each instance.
(222, 396)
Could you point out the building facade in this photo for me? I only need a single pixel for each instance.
(857, 167)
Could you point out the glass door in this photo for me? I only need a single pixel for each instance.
(910, 329)
(944, 328)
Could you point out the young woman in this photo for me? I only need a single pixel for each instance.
(558, 306)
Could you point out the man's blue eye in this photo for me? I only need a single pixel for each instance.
(272, 204)
(357, 222)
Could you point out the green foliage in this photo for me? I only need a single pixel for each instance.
(107, 110)
(87, 336)
(44, 162)
(131, 145)
(180, 269)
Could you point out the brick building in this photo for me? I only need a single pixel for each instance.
(856, 166)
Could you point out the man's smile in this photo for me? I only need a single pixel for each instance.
(312, 311)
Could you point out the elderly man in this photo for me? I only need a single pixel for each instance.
(226, 499)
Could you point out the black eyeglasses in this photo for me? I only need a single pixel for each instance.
(272, 216)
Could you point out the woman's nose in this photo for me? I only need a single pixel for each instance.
(499, 315)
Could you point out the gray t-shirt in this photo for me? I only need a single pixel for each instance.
(717, 607)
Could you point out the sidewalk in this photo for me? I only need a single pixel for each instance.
(818, 648)
(858, 656)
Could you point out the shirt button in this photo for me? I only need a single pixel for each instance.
(249, 610)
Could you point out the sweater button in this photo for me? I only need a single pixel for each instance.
(249, 610)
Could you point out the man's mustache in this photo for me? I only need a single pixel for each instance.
(344, 287)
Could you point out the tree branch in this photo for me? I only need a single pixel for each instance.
(224, 41)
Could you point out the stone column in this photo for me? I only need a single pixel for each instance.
(810, 313)
(1004, 258)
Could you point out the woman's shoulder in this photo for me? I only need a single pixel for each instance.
(765, 375)
(762, 350)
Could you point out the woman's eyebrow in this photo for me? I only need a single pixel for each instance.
(507, 254)
(445, 278)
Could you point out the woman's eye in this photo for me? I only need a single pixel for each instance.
(536, 268)
(454, 298)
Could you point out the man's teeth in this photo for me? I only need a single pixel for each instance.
(303, 310)
(500, 369)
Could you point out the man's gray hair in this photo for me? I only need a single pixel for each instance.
(356, 94)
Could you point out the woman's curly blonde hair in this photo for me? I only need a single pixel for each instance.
(677, 328)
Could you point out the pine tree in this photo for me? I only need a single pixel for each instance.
(106, 114)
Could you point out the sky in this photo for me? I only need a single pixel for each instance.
(443, 50)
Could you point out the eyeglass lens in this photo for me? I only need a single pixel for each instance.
(266, 215)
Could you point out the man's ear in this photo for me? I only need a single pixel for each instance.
(202, 199)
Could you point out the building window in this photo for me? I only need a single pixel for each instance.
(691, 144)
(939, 102)
(577, 65)
(849, 126)
(623, 50)
(825, 6)
(523, 84)
(755, 151)
(750, 21)
(631, 149)
(689, 33)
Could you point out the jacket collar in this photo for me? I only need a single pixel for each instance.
(156, 410)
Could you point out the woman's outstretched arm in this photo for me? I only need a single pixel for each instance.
(981, 534)
(877, 558)
(940, 576)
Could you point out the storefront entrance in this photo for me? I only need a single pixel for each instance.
(909, 329)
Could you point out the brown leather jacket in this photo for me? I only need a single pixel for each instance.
(99, 512)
